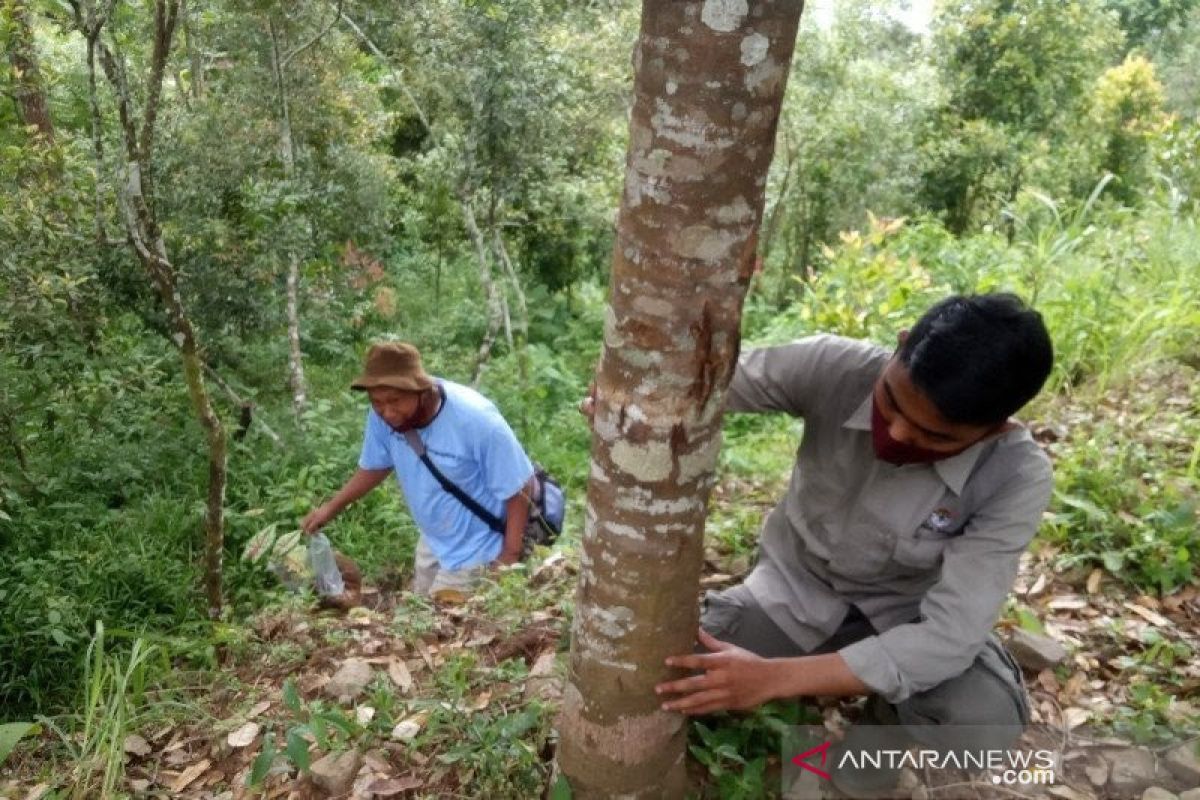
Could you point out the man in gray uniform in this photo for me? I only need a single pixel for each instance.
(884, 567)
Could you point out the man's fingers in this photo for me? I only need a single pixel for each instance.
(692, 684)
(711, 642)
(693, 661)
(700, 702)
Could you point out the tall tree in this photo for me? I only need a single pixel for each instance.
(280, 61)
(709, 83)
(139, 207)
(22, 56)
(1018, 75)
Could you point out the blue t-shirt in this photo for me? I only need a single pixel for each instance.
(472, 445)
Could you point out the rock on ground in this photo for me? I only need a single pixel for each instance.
(1155, 793)
(1034, 651)
(1130, 770)
(1184, 764)
(335, 772)
(349, 681)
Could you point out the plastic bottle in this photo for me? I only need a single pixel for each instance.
(326, 576)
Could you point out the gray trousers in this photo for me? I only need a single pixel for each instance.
(989, 698)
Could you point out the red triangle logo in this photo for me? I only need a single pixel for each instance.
(802, 759)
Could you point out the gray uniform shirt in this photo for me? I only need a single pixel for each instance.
(928, 552)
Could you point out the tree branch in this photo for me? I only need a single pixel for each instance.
(114, 70)
(242, 402)
(337, 12)
(396, 71)
(165, 16)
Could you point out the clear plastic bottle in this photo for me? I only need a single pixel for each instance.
(326, 575)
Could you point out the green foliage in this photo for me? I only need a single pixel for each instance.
(741, 755)
(13, 732)
(848, 135)
(114, 704)
(326, 725)
(1023, 64)
(1017, 75)
(1105, 513)
(1127, 110)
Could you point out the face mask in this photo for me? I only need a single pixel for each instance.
(897, 453)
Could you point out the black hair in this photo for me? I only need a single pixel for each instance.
(979, 358)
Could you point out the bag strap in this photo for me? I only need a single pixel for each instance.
(491, 520)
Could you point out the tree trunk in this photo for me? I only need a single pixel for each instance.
(195, 63)
(145, 234)
(27, 78)
(491, 291)
(295, 358)
(287, 153)
(709, 81)
(522, 337)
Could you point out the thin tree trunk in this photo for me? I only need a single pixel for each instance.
(522, 349)
(514, 281)
(287, 154)
(145, 234)
(490, 290)
(90, 22)
(709, 80)
(195, 63)
(775, 216)
(295, 358)
(287, 148)
(27, 78)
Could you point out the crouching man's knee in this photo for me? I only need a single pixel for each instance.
(986, 705)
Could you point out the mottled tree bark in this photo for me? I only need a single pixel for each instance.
(709, 82)
(27, 79)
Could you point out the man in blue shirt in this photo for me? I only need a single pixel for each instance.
(468, 441)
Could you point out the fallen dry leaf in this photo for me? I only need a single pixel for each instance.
(258, 709)
(37, 791)
(389, 787)
(1093, 581)
(481, 701)
(377, 762)
(190, 774)
(426, 656)
(543, 666)
(480, 640)
(407, 729)
(398, 671)
(244, 736)
(360, 617)
(1047, 681)
(1152, 617)
(449, 597)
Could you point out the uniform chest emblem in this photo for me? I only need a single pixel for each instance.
(941, 520)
